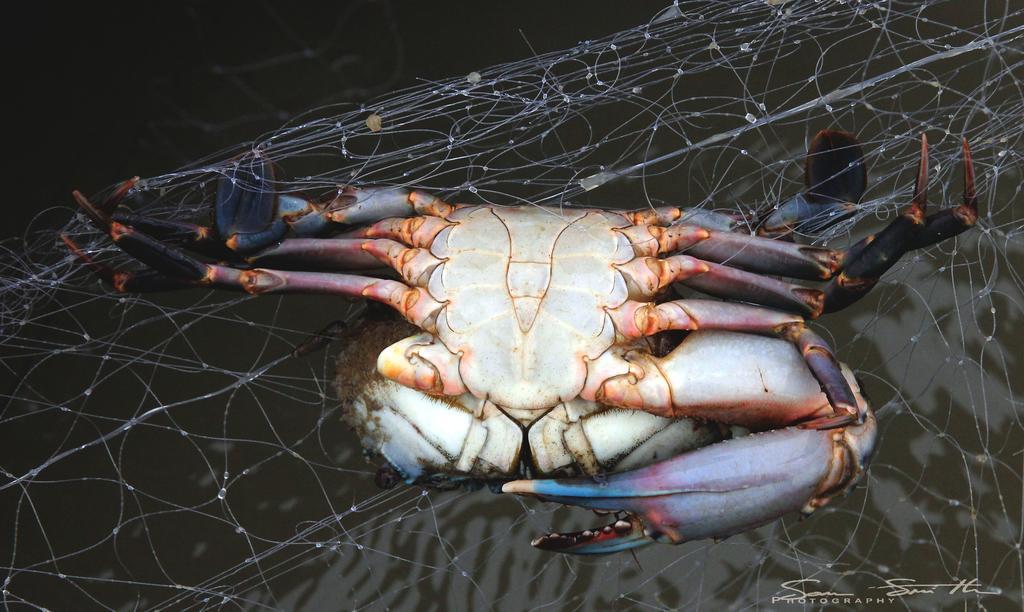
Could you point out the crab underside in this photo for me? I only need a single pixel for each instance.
(556, 352)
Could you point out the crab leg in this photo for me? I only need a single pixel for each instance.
(655, 391)
(732, 283)
(952, 221)
(415, 304)
(852, 273)
(126, 282)
(189, 235)
(876, 254)
(768, 256)
(714, 492)
(332, 253)
(371, 204)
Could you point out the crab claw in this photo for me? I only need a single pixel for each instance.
(713, 492)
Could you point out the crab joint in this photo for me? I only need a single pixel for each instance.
(415, 265)
(423, 363)
(646, 276)
(650, 240)
(414, 231)
(415, 304)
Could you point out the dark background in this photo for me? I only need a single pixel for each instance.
(99, 92)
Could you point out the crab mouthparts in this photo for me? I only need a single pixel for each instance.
(625, 533)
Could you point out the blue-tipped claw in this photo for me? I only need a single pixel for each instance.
(713, 492)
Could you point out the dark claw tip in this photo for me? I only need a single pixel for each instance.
(95, 215)
(920, 201)
(623, 534)
(970, 199)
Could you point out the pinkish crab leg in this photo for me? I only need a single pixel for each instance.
(654, 394)
(646, 277)
(414, 231)
(357, 206)
(732, 283)
(330, 253)
(768, 256)
(415, 304)
(738, 250)
(714, 492)
(196, 237)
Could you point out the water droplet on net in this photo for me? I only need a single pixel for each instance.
(222, 493)
(750, 118)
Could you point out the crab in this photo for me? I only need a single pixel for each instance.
(548, 351)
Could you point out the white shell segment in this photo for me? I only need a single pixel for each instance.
(421, 435)
(738, 378)
(585, 438)
(526, 291)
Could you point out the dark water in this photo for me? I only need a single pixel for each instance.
(105, 93)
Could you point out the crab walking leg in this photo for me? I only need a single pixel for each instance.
(189, 235)
(876, 254)
(738, 250)
(714, 492)
(655, 390)
(414, 264)
(952, 221)
(415, 304)
(668, 215)
(768, 256)
(414, 231)
(136, 281)
(371, 204)
(333, 253)
(732, 283)
(873, 256)
(646, 277)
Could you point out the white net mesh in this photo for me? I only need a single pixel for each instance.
(162, 451)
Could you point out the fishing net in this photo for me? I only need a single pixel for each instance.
(166, 451)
